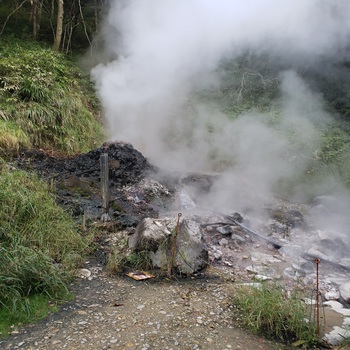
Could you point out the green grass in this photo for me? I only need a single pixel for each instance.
(345, 342)
(40, 245)
(122, 259)
(268, 311)
(45, 101)
(36, 308)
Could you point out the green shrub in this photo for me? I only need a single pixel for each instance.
(267, 310)
(39, 243)
(122, 259)
(47, 98)
(35, 307)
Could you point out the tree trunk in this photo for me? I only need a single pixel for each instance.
(96, 15)
(59, 26)
(36, 16)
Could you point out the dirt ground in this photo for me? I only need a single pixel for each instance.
(117, 312)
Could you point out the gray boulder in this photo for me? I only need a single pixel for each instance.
(150, 234)
(184, 248)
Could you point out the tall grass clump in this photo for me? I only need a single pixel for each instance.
(268, 311)
(122, 259)
(40, 246)
(47, 99)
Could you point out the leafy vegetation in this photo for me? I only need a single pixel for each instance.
(268, 311)
(45, 102)
(37, 307)
(40, 245)
(252, 84)
(122, 259)
(248, 84)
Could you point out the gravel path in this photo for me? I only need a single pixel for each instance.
(121, 313)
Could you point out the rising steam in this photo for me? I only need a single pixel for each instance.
(157, 54)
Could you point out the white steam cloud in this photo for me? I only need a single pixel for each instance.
(161, 51)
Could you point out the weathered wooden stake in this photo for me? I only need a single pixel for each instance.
(317, 261)
(104, 186)
(173, 247)
(83, 223)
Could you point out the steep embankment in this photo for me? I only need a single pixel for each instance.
(45, 103)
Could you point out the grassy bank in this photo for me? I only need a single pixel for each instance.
(45, 101)
(269, 311)
(40, 246)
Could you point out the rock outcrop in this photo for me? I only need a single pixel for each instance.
(179, 247)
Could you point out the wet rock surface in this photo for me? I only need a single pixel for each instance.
(282, 245)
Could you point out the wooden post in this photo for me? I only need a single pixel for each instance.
(317, 261)
(104, 186)
(173, 247)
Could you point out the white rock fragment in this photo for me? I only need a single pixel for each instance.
(332, 295)
(337, 335)
(217, 254)
(344, 290)
(83, 273)
(223, 242)
(263, 258)
(262, 270)
(338, 307)
(262, 278)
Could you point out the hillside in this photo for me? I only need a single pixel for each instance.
(46, 103)
(262, 122)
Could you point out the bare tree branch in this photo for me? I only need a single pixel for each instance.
(8, 17)
(83, 20)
